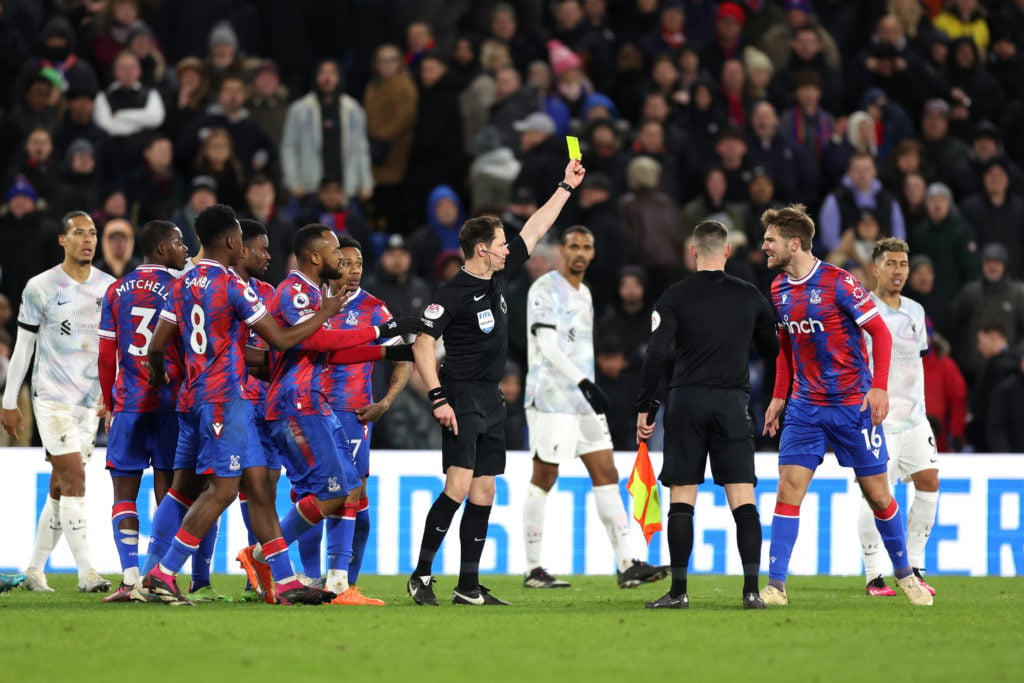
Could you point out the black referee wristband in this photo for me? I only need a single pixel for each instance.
(566, 186)
(436, 394)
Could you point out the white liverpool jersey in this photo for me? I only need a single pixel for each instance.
(66, 314)
(906, 371)
(553, 302)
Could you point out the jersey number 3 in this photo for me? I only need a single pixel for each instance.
(145, 316)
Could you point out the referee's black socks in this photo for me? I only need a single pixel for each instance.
(438, 520)
(680, 544)
(473, 535)
(748, 538)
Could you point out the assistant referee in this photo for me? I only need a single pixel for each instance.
(704, 325)
(471, 313)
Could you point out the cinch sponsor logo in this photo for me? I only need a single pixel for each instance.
(807, 326)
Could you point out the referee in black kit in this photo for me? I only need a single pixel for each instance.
(704, 326)
(471, 313)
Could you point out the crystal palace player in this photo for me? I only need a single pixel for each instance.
(142, 422)
(209, 305)
(61, 309)
(822, 311)
(250, 267)
(349, 390)
(908, 435)
(308, 434)
(471, 313)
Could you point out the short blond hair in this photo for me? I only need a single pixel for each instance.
(791, 222)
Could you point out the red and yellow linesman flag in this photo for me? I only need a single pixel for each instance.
(643, 488)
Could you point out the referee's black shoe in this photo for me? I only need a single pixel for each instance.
(540, 578)
(753, 601)
(422, 593)
(666, 601)
(478, 596)
(641, 572)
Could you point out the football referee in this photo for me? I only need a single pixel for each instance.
(471, 313)
(704, 326)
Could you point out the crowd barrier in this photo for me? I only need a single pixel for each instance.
(979, 530)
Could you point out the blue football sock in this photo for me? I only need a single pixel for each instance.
(243, 504)
(340, 532)
(127, 539)
(203, 558)
(889, 523)
(182, 547)
(785, 527)
(309, 551)
(276, 552)
(359, 540)
(303, 516)
(166, 522)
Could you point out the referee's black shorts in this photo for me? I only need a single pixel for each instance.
(699, 422)
(480, 444)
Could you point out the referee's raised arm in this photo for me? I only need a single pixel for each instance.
(542, 220)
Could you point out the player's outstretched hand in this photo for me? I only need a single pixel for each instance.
(574, 173)
(878, 401)
(445, 416)
(398, 352)
(333, 303)
(12, 422)
(403, 325)
(595, 396)
(772, 416)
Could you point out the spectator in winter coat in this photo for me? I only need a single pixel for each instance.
(997, 215)
(325, 138)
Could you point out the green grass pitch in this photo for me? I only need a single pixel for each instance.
(591, 632)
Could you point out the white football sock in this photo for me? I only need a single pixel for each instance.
(616, 524)
(48, 533)
(130, 576)
(533, 524)
(919, 525)
(871, 549)
(73, 519)
(337, 581)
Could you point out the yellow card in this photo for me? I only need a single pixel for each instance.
(574, 147)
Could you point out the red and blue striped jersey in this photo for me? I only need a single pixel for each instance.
(129, 316)
(349, 387)
(254, 389)
(210, 306)
(295, 383)
(822, 314)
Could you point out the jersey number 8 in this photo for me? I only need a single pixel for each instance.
(197, 340)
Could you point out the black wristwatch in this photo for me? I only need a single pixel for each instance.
(566, 186)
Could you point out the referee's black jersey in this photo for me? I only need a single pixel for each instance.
(472, 314)
(704, 325)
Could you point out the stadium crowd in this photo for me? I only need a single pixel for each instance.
(392, 122)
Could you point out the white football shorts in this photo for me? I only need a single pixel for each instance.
(65, 428)
(911, 451)
(559, 437)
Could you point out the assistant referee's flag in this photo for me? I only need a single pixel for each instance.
(643, 488)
